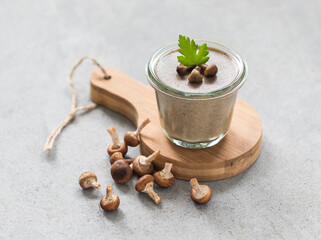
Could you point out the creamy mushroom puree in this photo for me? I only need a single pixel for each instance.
(166, 72)
(202, 119)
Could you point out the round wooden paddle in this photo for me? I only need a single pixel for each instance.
(234, 154)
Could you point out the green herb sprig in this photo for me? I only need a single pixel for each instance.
(188, 48)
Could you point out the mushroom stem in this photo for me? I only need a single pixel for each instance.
(146, 161)
(195, 185)
(152, 157)
(109, 191)
(115, 138)
(141, 126)
(151, 193)
(95, 185)
(167, 169)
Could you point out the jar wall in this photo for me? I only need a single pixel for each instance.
(195, 121)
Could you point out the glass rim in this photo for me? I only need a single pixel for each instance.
(238, 81)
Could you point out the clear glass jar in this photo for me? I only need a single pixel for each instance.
(196, 120)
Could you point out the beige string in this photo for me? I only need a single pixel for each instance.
(74, 109)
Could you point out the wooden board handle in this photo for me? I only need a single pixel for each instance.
(124, 95)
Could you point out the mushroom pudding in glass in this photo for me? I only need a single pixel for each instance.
(196, 104)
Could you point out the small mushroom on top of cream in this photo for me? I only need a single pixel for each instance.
(88, 180)
(183, 70)
(143, 165)
(195, 76)
(145, 184)
(117, 145)
(132, 138)
(200, 194)
(211, 70)
(165, 178)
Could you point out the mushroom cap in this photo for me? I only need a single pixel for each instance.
(181, 69)
(201, 198)
(115, 156)
(211, 70)
(164, 181)
(111, 203)
(143, 181)
(121, 172)
(195, 77)
(130, 139)
(123, 149)
(137, 169)
(86, 179)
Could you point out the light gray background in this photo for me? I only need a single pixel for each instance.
(279, 197)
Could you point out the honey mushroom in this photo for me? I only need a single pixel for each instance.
(200, 194)
(210, 71)
(88, 180)
(111, 201)
(165, 178)
(119, 156)
(183, 70)
(195, 76)
(132, 138)
(145, 184)
(117, 145)
(121, 172)
(143, 165)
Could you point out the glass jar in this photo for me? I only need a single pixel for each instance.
(196, 120)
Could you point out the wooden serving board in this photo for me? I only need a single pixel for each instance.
(234, 154)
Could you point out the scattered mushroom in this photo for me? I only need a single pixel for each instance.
(119, 156)
(88, 180)
(183, 70)
(195, 76)
(165, 178)
(132, 138)
(117, 145)
(145, 184)
(121, 172)
(110, 202)
(143, 165)
(210, 71)
(200, 194)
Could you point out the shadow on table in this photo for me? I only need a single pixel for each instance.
(49, 156)
(116, 215)
(91, 193)
(148, 202)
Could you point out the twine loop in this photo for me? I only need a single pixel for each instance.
(74, 109)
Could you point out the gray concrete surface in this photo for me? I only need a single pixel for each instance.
(279, 197)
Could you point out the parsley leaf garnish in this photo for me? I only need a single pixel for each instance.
(188, 48)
